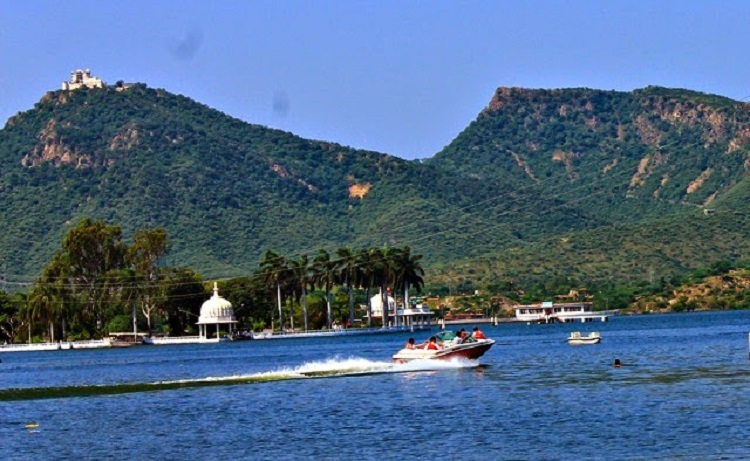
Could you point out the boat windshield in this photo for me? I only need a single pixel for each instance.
(445, 336)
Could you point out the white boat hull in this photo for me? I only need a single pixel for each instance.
(576, 339)
(471, 351)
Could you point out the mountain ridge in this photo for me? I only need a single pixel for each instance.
(534, 165)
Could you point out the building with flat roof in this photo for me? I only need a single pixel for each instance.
(549, 312)
(80, 78)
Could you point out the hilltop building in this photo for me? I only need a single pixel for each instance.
(82, 78)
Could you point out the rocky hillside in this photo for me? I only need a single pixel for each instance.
(544, 183)
(226, 190)
(729, 290)
(628, 155)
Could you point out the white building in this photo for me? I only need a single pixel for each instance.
(417, 316)
(548, 312)
(80, 78)
(216, 311)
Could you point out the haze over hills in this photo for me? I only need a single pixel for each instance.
(575, 182)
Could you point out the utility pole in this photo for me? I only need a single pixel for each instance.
(135, 326)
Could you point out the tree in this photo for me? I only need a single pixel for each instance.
(348, 274)
(11, 320)
(367, 277)
(300, 277)
(53, 283)
(254, 298)
(90, 252)
(123, 288)
(383, 276)
(408, 271)
(325, 275)
(148, 247)
(273, 272)
(184, 293)
(386, 275)
(41, 307)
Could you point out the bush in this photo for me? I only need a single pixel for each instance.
(120, 323)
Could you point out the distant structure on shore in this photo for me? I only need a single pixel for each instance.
(549, 312)
(80, 78)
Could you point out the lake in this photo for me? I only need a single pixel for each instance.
(682, 394)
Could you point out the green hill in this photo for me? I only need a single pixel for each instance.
(625, 155)
(139, 157)
(542, 183)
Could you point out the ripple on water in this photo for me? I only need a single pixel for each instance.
(682, 395)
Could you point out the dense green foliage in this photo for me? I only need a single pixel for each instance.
(579, 185)
(223, 189)
(653, 183)
(618, 156)
(91, 285)
(94, 282)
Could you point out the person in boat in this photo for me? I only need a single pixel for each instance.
(432, 344)
(477, 334)
(458, 339)
(410, 344)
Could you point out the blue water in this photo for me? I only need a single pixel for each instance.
(683, 394)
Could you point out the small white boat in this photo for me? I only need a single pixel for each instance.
(576, 338)
(446, 347)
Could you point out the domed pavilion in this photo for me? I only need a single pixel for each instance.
(216, 311)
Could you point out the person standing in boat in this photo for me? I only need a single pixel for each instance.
(477, 334)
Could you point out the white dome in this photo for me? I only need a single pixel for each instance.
(216, 310)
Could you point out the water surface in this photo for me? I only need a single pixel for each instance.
(682, 394)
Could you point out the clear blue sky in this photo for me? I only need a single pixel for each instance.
(400, 77)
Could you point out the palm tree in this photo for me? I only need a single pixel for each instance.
(348, 273)
(366, 279)
(50, 300)
(55, 283)
(408, 271)
(41, 307)
(299, 271)
(273, 270)
(325, 275)
(382, 261)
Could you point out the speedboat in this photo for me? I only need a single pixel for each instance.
(576, 338)
(448, 347)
